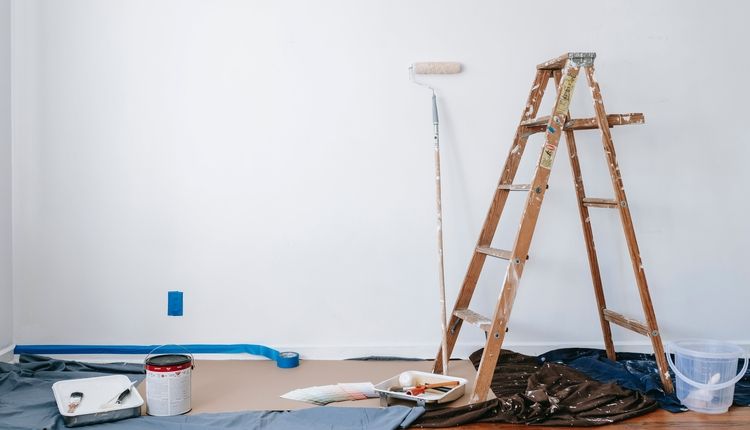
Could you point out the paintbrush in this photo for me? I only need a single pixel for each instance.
(75, 401)
(119, 398)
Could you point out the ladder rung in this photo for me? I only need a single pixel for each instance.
(499, 253)
(626, 322)
(474, 318)
(514, 187)
(600, 203)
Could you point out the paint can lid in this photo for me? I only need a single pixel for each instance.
(168, 360)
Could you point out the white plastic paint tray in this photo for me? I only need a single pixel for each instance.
(429, 398)
(96, 392)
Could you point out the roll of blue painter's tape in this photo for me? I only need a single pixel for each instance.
(287, 359)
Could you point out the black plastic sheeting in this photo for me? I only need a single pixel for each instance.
(570, 387)
(530, 391)
(634, 371)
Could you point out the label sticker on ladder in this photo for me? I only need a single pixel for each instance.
(548, 156)
(548, 152)
(566, 91)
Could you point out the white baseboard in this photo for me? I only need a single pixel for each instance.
(462, 350)
(309, 352)
(6, 354)
(341, 352)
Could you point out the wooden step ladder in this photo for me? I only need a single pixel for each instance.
(564, 70)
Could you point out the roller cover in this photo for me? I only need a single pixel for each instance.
(440, 68)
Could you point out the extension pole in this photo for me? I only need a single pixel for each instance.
(441, 266)
(438, 68)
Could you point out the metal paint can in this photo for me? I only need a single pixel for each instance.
(168, 379)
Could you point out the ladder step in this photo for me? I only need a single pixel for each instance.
(514, 187)
(499, 253)
(613, 120)
(537, 122)
(559, 62)
(474, 318)
(626, 322)
(554, 64)
(600, 203)
(538, 125)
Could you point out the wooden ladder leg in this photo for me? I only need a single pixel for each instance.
(493, 215)
(522, 243)
(627, 225)
(588, 236)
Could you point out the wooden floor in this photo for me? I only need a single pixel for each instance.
(736, 418)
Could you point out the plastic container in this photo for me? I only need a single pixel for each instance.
(706, 373)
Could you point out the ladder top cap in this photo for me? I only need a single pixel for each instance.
(578, 58)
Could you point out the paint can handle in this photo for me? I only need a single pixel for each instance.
(192, 359)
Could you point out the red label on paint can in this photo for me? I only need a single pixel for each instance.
(152, 368)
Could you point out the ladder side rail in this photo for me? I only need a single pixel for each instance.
(588, 235)
(493, 214)
(627, 224)
(522, 243)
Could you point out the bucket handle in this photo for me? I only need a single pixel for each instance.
(705, 386)
(192, 359)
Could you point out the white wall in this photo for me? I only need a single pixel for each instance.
(6, 284)
(272, 160)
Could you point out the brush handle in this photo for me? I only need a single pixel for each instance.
(122, 395)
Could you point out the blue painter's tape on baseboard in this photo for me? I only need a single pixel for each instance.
(282, 359)
(174, 303)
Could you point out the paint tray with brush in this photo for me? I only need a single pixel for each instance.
(426, 389)
(96, 400)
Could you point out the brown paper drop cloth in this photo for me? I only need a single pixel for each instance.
(244, 385)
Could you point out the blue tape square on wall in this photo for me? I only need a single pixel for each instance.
(174, 303)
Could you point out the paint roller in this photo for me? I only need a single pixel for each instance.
(434, 68)
(437, 68)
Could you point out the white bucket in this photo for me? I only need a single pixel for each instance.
(168, 384)
(706, 373)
